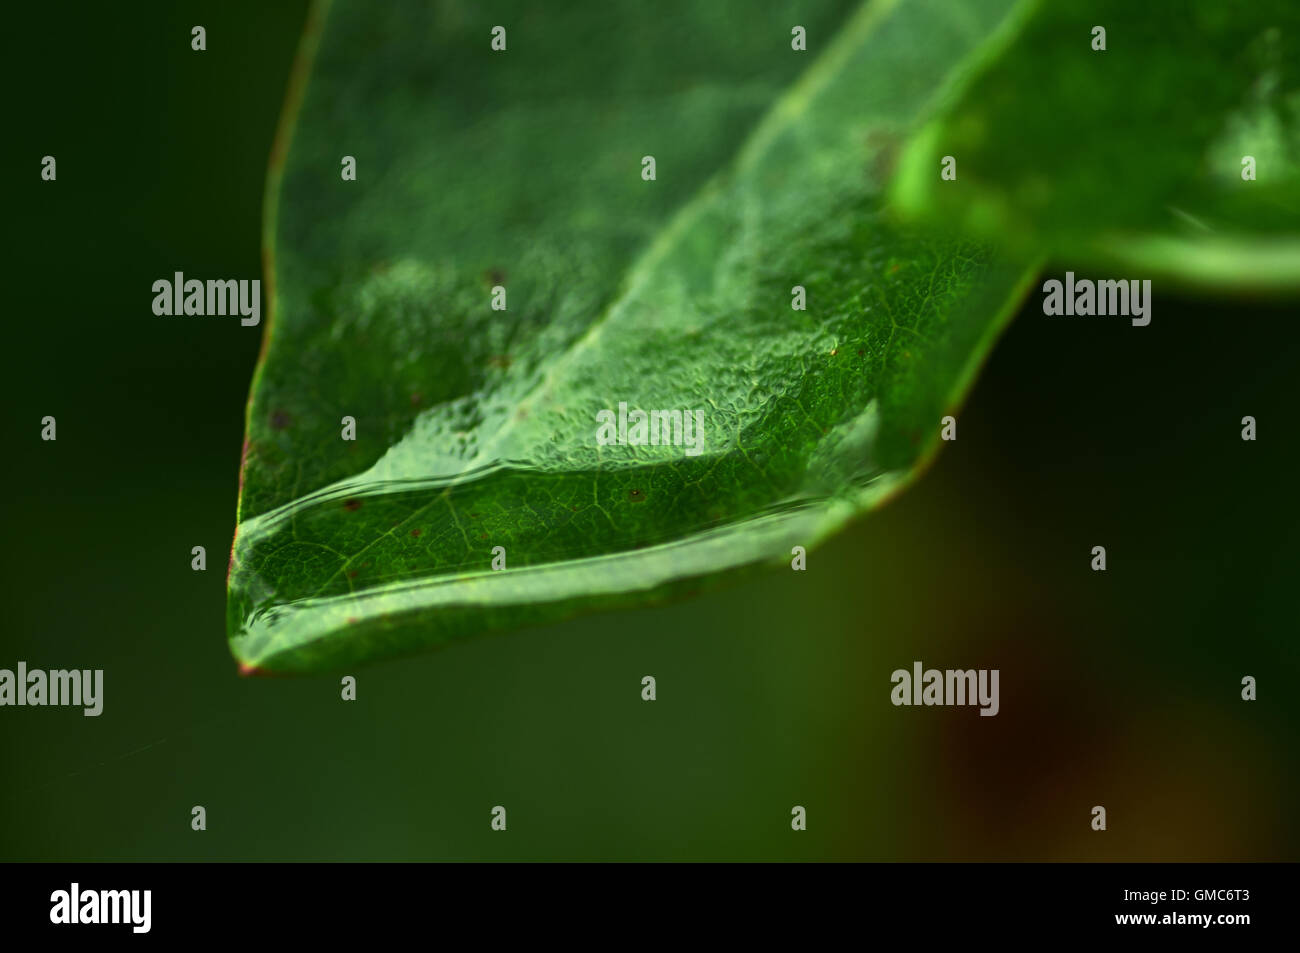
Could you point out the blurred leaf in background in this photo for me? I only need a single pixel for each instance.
(1173, 151)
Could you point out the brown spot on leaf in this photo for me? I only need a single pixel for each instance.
(352, 505)
(416, 532)
(280, 419)
(495, 276)
(636, 496)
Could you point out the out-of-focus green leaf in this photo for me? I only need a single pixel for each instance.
(1132, 156)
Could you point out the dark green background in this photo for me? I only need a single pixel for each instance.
(1119, 689)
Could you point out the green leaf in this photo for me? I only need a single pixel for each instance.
(477, 428)
(1129, 157)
